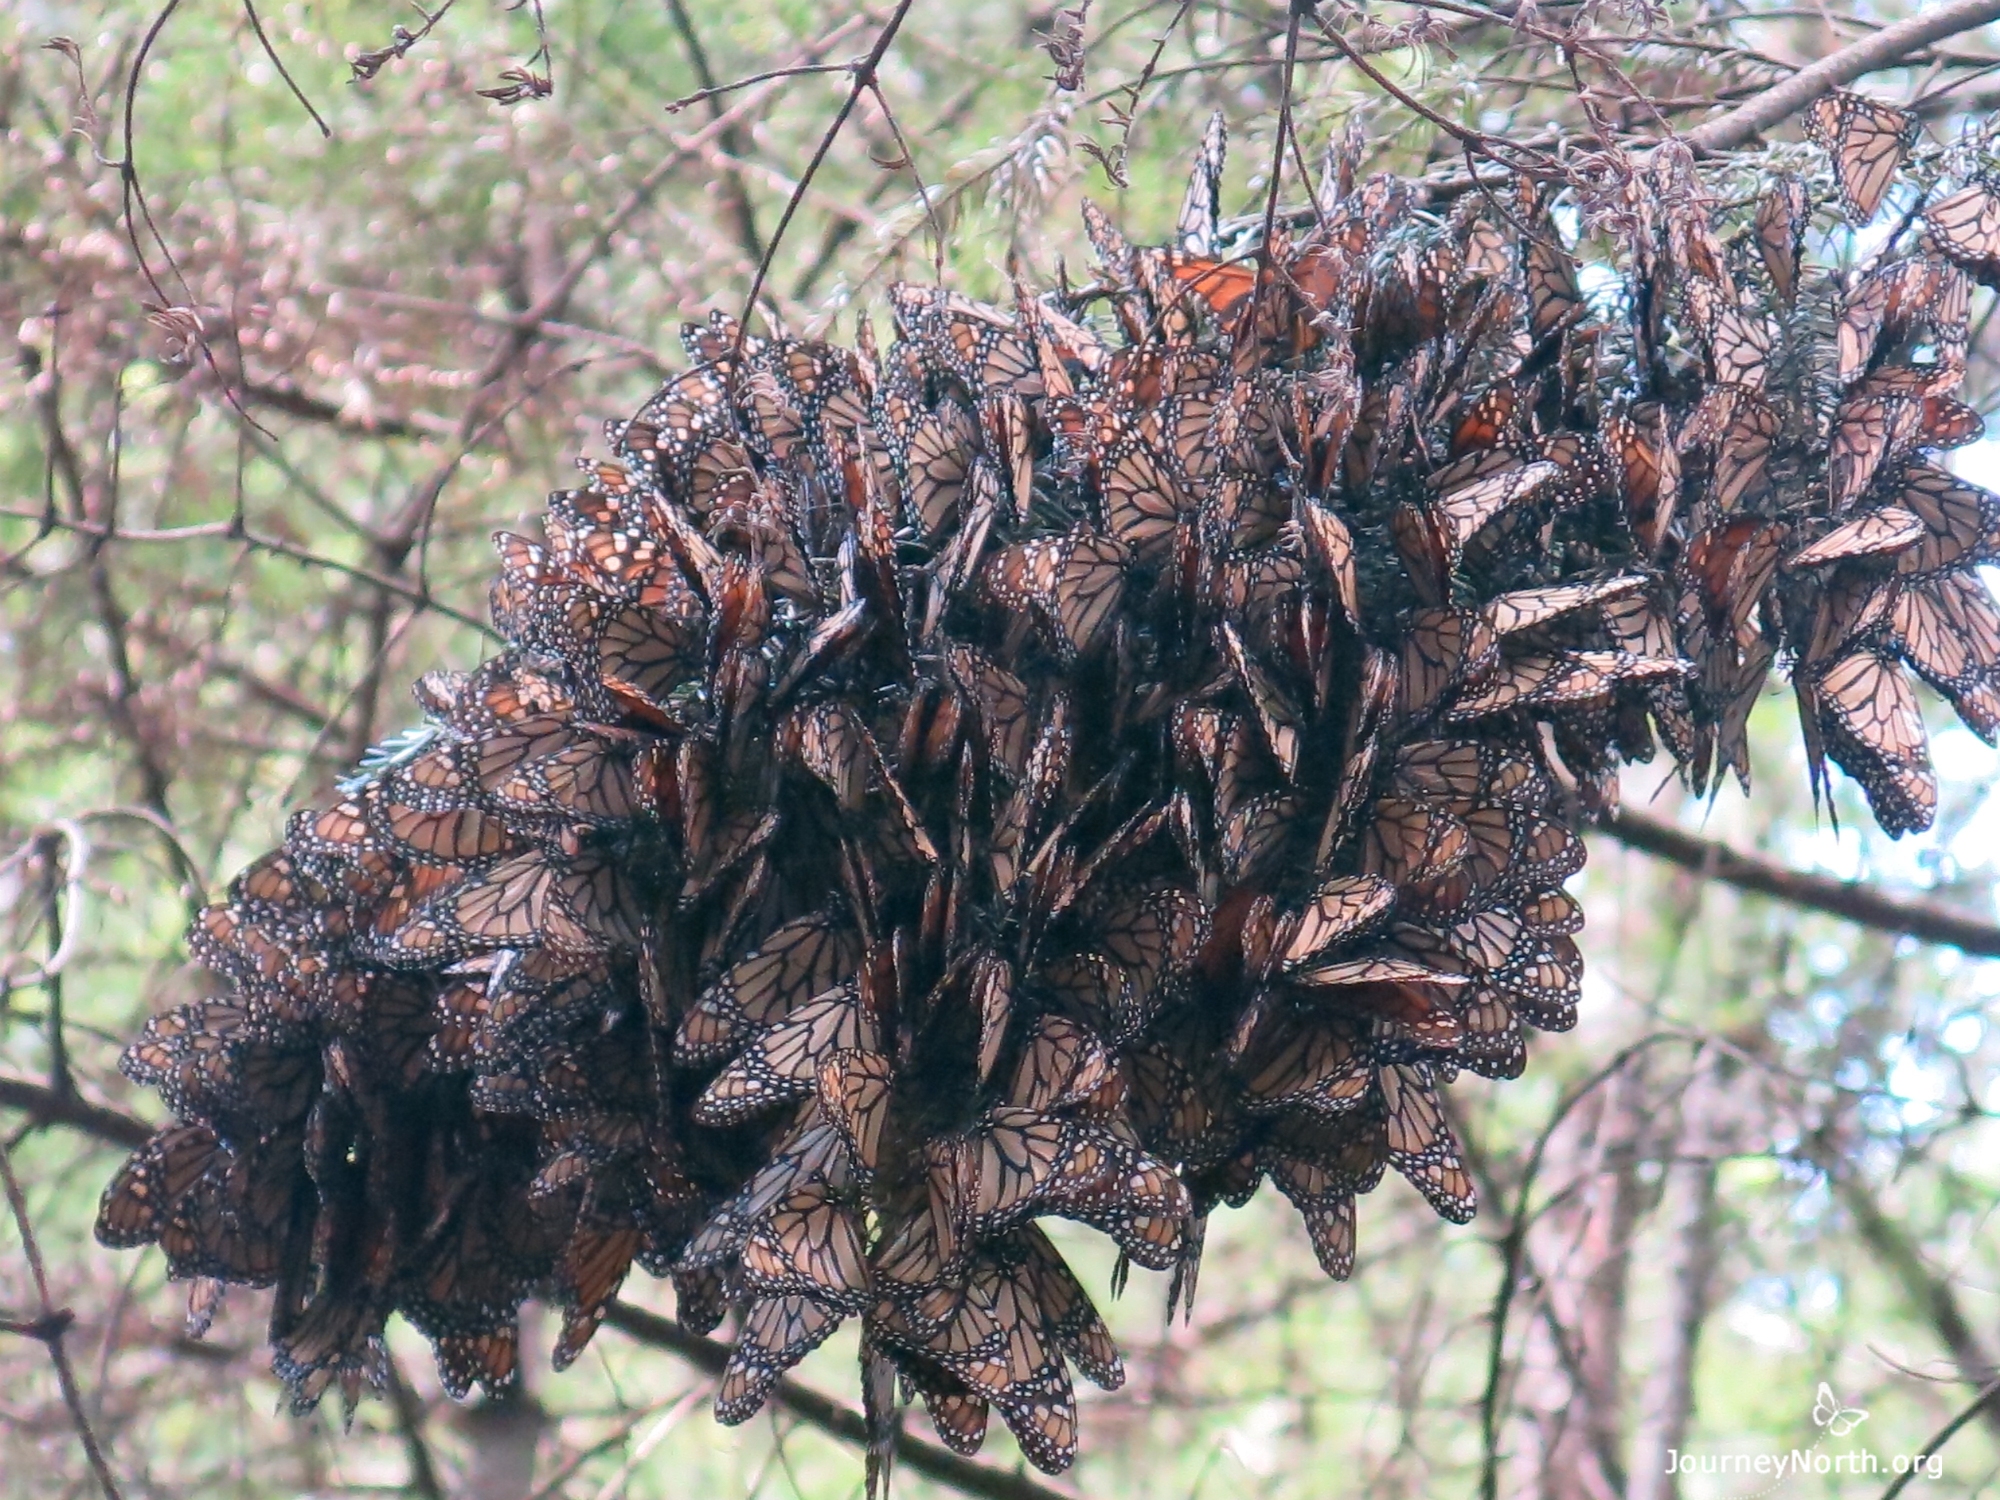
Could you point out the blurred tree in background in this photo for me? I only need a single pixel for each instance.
(298, 304)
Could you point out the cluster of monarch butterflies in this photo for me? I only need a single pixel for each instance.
(1081, 760)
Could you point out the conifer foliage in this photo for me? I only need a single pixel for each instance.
(1081, 759)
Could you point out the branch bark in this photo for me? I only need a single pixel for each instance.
(1871, 53)
(1851, 900)
(1667, 1403)
(45, 1106)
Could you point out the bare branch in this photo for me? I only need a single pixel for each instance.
(735, 192)
(1881, 50)
(50, 1328)
(44, 1106)
(1851, 900)
(1982, 1403)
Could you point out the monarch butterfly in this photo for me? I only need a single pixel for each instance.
(1742, 455)
(1960, 521)
(1142, 503)
(1966, 226)
(1948, 629)
(793, 965)
(1867, 141)
(1378, 970)
(1883, 532)
(978, 345)
(1075, 581)
(940, 454)
(1420, 1144)
(1255, 833)
(1443, 649)
(854, 1090)
(152, 1181)
(1739, 342)
(1276, 715)
(1491, 421)
(1524, 609)
(1062, 1064)
(1730, 565)
(1866, 430)
(809, 1245)
(1546, 679)
(1067, 1314)
(1871, 725)
(1312, 1066)
(1342, 909)
(715, 342)
(593, 1267)
(782, 1062)
(1884, 308)
(777, 1333)
(1555, 303)
(991, 990)
(1196, 227)
(1944, 423)
(1412, 841)
(1780, 227)
(957, 1415)
(1467, 509)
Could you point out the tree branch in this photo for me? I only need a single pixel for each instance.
(735, 192)
(423, 1481)
(44, 1106)
(1983, 1402)
(829, 1416)
(49, 1329)
(1871, 53)
(1931, 1295)
(1851, 900)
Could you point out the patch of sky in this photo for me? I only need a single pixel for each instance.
(1963, 1033)
(1918, 1085)
(1828, 1007)
(1762, 1313)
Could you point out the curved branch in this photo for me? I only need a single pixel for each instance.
(1851, 900)
(1879, 50)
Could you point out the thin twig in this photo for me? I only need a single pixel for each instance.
(229, 530)
(735, 190)
(800, 70)
(1943, 1435)
(1511, 1250)
(50, 1328)
(423, 1479)
(257, 25)
(864, 78)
